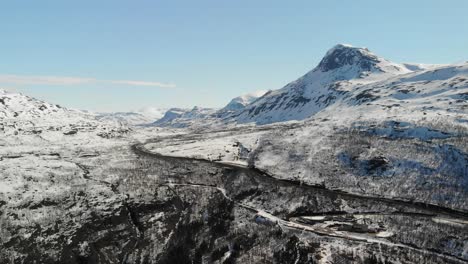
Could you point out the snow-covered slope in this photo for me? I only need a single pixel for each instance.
(430, 93)
(422, 66)
(180, 117)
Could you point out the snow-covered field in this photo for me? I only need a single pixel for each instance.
(227, 146)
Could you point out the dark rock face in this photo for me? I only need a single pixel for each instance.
(282, 101)
(342, 56)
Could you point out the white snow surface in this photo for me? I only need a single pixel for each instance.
(223, 146)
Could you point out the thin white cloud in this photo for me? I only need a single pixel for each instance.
(58, 80)
(143, 83)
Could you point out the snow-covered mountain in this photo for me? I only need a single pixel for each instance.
(237, 104)
(182, 117)
(24, 115)
(349, 76)
(369, 126)
(21, 112)
(242, 101)
(349, 82)
(143, 116)
(16, 105)
(343, 68)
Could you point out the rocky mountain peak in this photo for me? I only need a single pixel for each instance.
(343, 55)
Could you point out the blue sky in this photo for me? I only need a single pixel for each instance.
(125, 55)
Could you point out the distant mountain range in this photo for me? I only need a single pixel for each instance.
(143, 116)
(348, 81)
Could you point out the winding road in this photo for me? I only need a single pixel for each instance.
(430, 212)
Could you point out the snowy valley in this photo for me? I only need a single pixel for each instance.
(360, 160)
